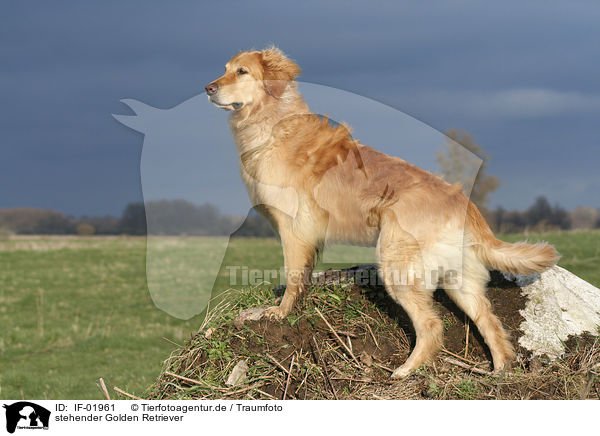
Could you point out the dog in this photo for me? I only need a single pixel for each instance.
(348, 192)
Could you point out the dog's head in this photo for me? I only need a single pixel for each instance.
(252, 76)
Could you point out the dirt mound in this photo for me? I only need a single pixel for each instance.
(344, 342)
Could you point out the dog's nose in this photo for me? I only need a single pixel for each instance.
(211, 88)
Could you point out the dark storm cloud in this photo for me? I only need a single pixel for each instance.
(521, 77)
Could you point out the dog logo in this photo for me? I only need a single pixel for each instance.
(26, 415)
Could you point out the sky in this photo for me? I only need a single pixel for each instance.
(522, 77)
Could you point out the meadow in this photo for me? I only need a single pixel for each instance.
(74, 309)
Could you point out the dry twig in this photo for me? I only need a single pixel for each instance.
(287, 381)
(127, 394)
(320, 360)
(103, 386)
(465, 366)
(340, 340)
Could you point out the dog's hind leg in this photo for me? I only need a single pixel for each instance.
(401, 269)
(471, 299)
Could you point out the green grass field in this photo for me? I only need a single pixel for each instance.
(73, 310)
(580, 251)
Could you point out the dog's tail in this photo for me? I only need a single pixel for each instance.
(519, 258)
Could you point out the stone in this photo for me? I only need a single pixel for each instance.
(238, 374)
(559, 305)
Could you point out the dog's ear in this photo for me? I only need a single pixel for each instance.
(278, 70)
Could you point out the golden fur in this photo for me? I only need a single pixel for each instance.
(346, 191)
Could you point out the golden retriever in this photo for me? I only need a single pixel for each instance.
(346, 191)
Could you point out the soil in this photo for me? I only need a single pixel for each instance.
(506, 300)
(281, 340)
(380, 339)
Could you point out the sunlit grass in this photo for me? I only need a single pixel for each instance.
(73, 310)
(71, 314)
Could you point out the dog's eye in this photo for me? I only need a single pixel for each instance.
(241, 71)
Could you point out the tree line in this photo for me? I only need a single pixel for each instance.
(542, 216)
(180, 217)
(163, 217)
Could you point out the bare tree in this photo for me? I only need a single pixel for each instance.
(584, 217)
(459, 162)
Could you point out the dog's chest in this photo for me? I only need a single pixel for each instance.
(266, 182)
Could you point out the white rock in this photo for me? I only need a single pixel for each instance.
(238, 374)
(559, 304)
(252, 314)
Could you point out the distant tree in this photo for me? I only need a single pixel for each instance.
(28, 220)
(54, 223)
(560, 218)
(512, 222)
(177, 217)
(458, 164)
(171, 217)
(584, 217)
(496, 218)
(539, 212)
(545, 217)
(105, 225)
(167, 217)
(5, 232)
(85, 229)
(255, 225)
(133, 220)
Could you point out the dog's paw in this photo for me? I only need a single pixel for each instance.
(502, 369)
(274, 313)
(402, 372)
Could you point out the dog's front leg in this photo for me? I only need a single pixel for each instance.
(298, 257)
